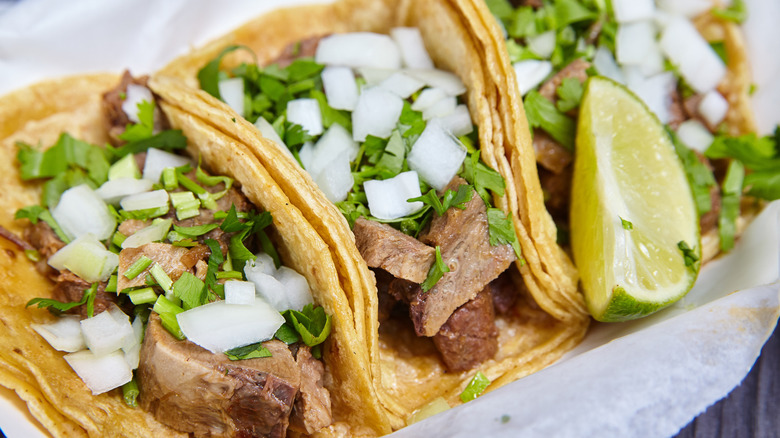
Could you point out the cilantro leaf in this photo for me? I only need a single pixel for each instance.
(569, 94)
(543, 114)
(502, 230)
(450, 199)
(166, 140)
(195, 231)
(627, 225)
(190, 290)
(250, 351)
(436, 271)
(144, 129)
(312, 324)
(475, 388)
(57, 307)
(35, 213)
(208, 76)
(287, 334)
(688, 253)
(699, 176)
(730, 200)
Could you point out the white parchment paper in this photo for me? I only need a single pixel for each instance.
(644, 378)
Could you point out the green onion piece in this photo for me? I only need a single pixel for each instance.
(169, 179)
(112, 282)
(162, 278)
(195, 231)
(476, 386)
(229, 274)
(32, 255)
(209, 200)
(142, 296)
(730, 200)
(130, 391)
(228, 265)
(137, 267)
(190, 184)
(170, 323)
(168, 311)
(179, 199)
(118, 238)
(186, 213)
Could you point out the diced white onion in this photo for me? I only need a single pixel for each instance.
(113, 191)
(134, 95)
(340, 87)
(105, 334)
(449, 82)
(376, 113)
(688, 8)
(530, 73)
(100, 373)
(81, 211)
(359, 49)
(220, 326)
(457, 122)
(232, 92)
(402, 84)
(442, 108)
(133, 356)
(428, 97)
(270, 289)
(633, 10)
(153, 233)
(262, 264)
(157, 160)
(333, 143)
(713, 107)
(268, 131)
(374, 76)
(143, 201)
(633, 41)
(87, 258)
(296, 288)
(239, 292)
(63, 335)
(542, 44)
(412, 46)
(655, 91)
(305, 112)
(695, 135)
(436, 156)
(387, 199)
(607, 66)
(694, 58)
(335, 178)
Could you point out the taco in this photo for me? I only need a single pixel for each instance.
(269, 346)
(434, 315)
(544, 52)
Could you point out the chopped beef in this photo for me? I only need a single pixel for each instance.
(676, 110)
(69, 288)
(311, 411)
(201, 269)
(403, 290)
(16, 240)
(194, 255)
(207, 395)
(557, 191)
(504, 292)
(299, 49)
(131, 226)
(469, 337)
(549, 153)
(465, 247)
(43, 238)
(115, 117)
(386, 302)
(536, 4)
(577, 69)
(382, 246)
(166, 255)
(140, 160)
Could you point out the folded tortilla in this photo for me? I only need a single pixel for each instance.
(406, 370)
(39, 375)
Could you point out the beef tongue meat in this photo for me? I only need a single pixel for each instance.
(311, 411)
(465, 247)
(382, 246)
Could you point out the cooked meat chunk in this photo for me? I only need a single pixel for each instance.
(311, 411)
(207, 395)
(166, 255)
(43, 238)
(465, 247)
(676, 110)
(382, 246)
(577, 69)
(403, 290)
(557, 191)
(549, 153)
(300, 49)
(115, 117)
(469, 337)
(69, 287)
(504, 293)
(131, 226)
(386, 301)
(16, 240)
(194, 255)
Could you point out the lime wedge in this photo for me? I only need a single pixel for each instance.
(634, 226)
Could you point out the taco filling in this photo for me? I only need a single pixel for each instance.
(686, 62)
(168, 282)
(387, 139)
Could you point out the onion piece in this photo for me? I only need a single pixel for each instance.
(359, 49)
(695, 135)
(633, 41)
(387, 199)
(442, 108)
(104, 333)
(655, 91)
(133, 356)
(374, 76)
(542, 44)
(268, 131)
(687, 8)
(134, 95)
(335, 179)
(220, 326)
(232, 92)
(633, 10)
(63, 335)
(607, 66)
(262, 264)
(412, 47)
(694, 58)
(114, 190)
(239, 292)
(428, 97)
(144, 201)
(81, 211)
(436, 156)
(449, 82)
(333, 143)
(269, 289)
(157, 160)
(87, 258)
(100, 373)
(305, 112)
(376, 113)
(340, 87)
(713, 108)
(531, 73)
(153, 233)
(296, 288)
(458, 122)
(402, 84)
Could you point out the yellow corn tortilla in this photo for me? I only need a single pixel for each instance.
(40, 376)
(407, 372)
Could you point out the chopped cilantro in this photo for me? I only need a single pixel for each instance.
(57, 307)
(627, 225)
(250, 351)
(502, 230)
(144, 129)
(165, 140)
(35, 213)
(287, 334)
(208, 76)
(729, 211)
(449, 199)
(543, 114)
(312, 324)
(190, 290)
(569, 94)
(436, 271)
(195, 231)
(688, 253)
(475, 388)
